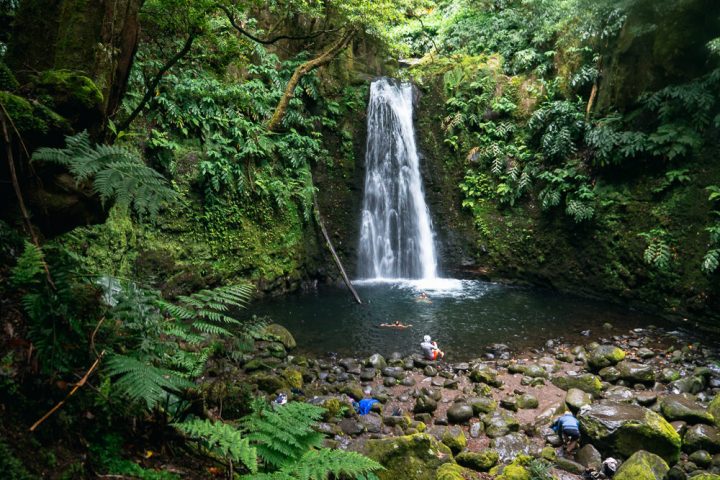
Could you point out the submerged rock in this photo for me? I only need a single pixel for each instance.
(642, 465)
(625, 429)
(417, 456)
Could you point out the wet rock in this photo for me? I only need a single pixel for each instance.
(425, 404)
(605, 356)
(350, 426)
(396, 420)
(395, 358)
(433, 393)
(645, 353)
(680, 427)
(408, 381)
(646, 398)
(636, 372)
(668, 375)
(676, 473)
(417, 456)
(554, 440)
(609, 374)
(509, 403)
(459, 412)
(451, 384)
(570, 465)
(486, 375)
(368, 374)
(642, 465)
(498, 424)
(282, 334)
(691, 385)
(376, 361)
(461, 367)
(389, 382)
(575, 399)
(479, 461)
(425, 418)
(619, 394)
(397, 373)
(587, 382)
(527, 401)
(683, 407)
(511, 445)
(482, 405)
(476, 429)
(441, 421)
(714, 409)
(350, 365)
(702, 437)
(353, 390)
(624, 429)
(589, 457)
(437, 382)
(430, 371)
(408, 363)
(701, 458)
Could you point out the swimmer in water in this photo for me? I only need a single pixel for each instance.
(396, 324)
(423, 297)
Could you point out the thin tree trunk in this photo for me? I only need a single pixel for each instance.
(323, 59)
(320, 222)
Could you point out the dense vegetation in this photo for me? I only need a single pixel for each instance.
(156, 174)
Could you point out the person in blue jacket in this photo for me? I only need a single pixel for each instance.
(568, 427)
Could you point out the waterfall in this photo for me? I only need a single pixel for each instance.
(396, 237)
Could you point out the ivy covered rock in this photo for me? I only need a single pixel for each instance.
(624, 429)
(683, 407)
(605, 356)
(417, 456)
(282, 334)
(642, 465)
(479, 461)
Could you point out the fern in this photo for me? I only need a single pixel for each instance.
(326, 463)
(29, 267)
(657, 253)
(711, 261)
(222, 440)
(144, 383)
(116, 173)
(282, 435)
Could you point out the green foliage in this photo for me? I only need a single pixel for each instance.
(106, 457)
(11, 466)
(658, 253)
(539, 469)
(570, 185)
(711, 260)
(222, 440)
(116, 173)
(30, 267)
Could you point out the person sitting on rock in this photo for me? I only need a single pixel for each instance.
(396, 324)
(568, 427)
(430, 349)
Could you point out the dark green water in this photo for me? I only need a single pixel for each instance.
(464, 317)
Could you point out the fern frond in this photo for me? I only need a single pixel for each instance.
(325, 463)
(221, 439)
(29, 267)
(144, 383)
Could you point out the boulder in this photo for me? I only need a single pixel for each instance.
(372, 422)
(570, 465)
(620, 394)
(459, 412)
(478, 461)
(376, 361)
(684, 407)
(706, 476)
(425, 404)
(636, 372)
(691, 385)
(589, 457)
(282, 334)
(575, 399)
(605, 356)
(714, 410)
(481, 405)
(701, 437)
(486, 375)
(452, 471)
(668, 375)
(527, 401)
(454, 438)
(587, 382)
(417, 456)
(642, 465)
(498, 424)
(511, 445)
(622, 429)
(350, 426)
(515, 471)
(701, 458)
(609, 374)
(509, 403)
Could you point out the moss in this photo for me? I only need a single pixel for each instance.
(417, 456)
(70, 93)
(480, 461)
(11, 466)
(454, 438)
(29, 117)
(642, 465)
(7, 79)
(514, 472)
(282, 334)
(450, 471)
(714, 409)
(586, 382)
(293, 377)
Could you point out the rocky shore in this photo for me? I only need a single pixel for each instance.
(647, 398)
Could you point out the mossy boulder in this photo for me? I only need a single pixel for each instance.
(706, 476)
(486, 375)
(32, 117)
(451, 471)
(587, 382)
(636, 372)
(454, 438)
(702, 437)
(479, 461)
(515, 471)
(684, 407)
(268, 382)
(498, 424)
(527, 401)
(416, 457)
(605, 356)
(282, 334)
(293, 377)
(624, 429)
(642, 465)
(482, 405)
(576, 399)
(71, 94)
(7, 79)
(714, 409)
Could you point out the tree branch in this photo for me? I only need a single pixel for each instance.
(272, 40)
(152, 85)
(323, 59)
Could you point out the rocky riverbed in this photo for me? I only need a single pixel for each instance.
(647, 398)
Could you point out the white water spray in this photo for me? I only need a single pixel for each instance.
(396, 237)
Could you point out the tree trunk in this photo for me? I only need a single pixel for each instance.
(307, 67)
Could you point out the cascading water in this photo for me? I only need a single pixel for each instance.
(396, 237)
